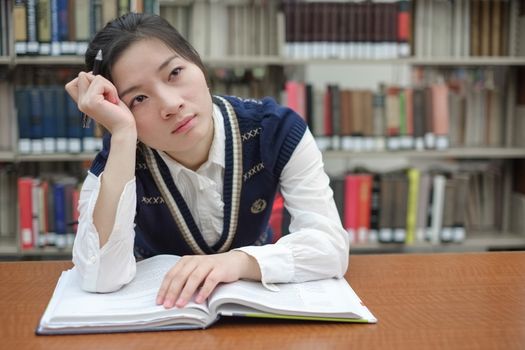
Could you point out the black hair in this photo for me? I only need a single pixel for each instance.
(129, 28)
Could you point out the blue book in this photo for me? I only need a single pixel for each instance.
(37, 127)
(59, 196)
(55, 38)
(61, 119)
(23, 105)
(49, 116)
(74, 126)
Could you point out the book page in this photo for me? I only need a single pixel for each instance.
(133, 303)
(324, 298)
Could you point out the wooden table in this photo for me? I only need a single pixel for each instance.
(435, 301)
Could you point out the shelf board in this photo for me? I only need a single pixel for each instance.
(458, 153)
(468, 61)
(257, 60)
(61, 157)
(235, 61)
(9, 249)
(71, 60)
(5, 59)
(473, 243)
(7, 156)
(423, 61)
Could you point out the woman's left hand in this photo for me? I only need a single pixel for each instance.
(201, 274)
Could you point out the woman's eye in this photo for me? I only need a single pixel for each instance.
(176, 71)
(137, 99)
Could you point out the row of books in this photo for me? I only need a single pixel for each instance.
(390, 29)
(416, 206)
(411, 206)
(454, 108)
(56, 27)
(49, 122)
(347, 29)
(227, 28)
(47, 211)
(467, 28)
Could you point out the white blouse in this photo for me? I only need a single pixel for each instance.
(317, 246)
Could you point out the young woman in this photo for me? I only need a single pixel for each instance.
(187, 173)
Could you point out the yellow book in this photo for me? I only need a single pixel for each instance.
(413, 189)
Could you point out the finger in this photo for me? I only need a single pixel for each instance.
(211, 282)
(83, 85)
(166, 282)
(72, 89)
(193, 282)
(177, 278)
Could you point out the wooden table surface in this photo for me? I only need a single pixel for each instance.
(434, 301)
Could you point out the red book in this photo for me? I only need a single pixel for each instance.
(295, 93)
(364, 209)
(440, 116)
(25, 210)
(403, 27)
(327, 113)
(351, 207)
(409, 109)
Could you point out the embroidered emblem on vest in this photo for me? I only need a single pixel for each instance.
(251, 100)
(258, 206)
(254, 170)
(153, 200)
(251, 134)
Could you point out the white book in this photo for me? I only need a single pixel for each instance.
(438, 203)
(133, 308)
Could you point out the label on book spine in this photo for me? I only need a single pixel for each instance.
(24, 146)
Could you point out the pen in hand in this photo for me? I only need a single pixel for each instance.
(96, 70)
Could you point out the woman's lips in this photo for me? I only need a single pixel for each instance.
(184, 124)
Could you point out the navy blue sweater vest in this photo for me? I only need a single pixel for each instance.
(260, 138)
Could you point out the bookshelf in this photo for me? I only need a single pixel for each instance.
(451, 153)
(282, 52)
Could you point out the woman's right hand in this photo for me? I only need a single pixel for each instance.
(98, 98)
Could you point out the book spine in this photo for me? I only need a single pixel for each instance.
(25, 213)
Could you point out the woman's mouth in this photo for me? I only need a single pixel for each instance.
(185, 124)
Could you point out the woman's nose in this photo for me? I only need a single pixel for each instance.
(171, 104)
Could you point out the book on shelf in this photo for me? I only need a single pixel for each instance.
(348, 30)
(64, 27)
(49, 122)
(429, 203)
(442, 108)
(48, 209)
(133, 308)
(467, 28)
(8, 196)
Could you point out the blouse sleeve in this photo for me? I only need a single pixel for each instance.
(108, 268)
(317, 246)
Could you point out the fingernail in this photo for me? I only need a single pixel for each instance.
(159, 301)
(180, 302)
(168, 303)
(199, 299)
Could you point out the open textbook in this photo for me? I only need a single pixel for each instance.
(133, 308)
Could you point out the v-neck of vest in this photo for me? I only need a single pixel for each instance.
(231, 188)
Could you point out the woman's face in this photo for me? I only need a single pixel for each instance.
(167, 95)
